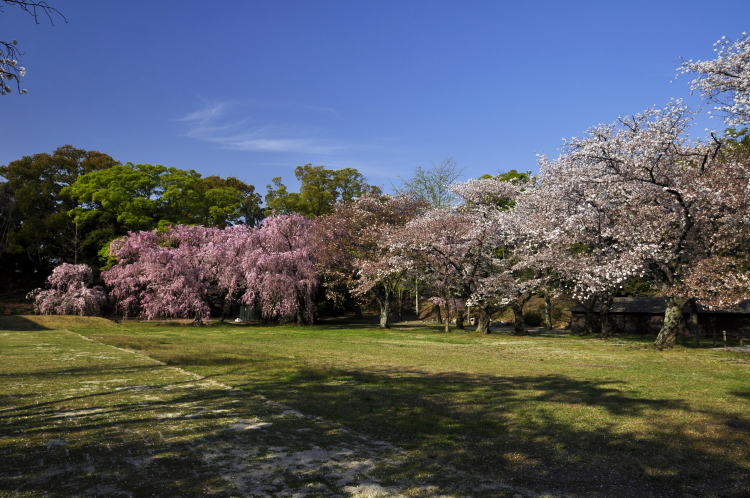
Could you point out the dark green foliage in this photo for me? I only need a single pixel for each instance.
(37, 231)
(143, 197)
(232, 201)
(638, 286)
(532, 318)
(68, 205)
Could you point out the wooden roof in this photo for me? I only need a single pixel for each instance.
(656, 306)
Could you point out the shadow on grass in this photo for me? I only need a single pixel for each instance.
(71, 373)
(540, 432)
(545, 433)
(123, 448)
(17, 323)
(50, 407)
(106, 444)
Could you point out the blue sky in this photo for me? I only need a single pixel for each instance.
(252, 89)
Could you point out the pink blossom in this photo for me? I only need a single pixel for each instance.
(69, 292)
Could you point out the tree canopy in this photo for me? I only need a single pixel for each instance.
(320, 189)
(38, 233)
(129, 197)
(432, 185)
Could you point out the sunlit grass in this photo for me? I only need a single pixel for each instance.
(545, 413)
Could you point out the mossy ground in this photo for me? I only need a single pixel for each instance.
(205, 410)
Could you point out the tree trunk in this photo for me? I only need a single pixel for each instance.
(301, 319)
(224, 308)
(439, 313)
(547, 311)
(416, 297)
(483, 325)
(385, 309)
(460, 318)
(447, 319)
(674, 323)
(592, 321)
(693, 325)
(519, 328)
(605, 319)
(400, 310)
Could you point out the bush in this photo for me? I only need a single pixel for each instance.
(532, 318)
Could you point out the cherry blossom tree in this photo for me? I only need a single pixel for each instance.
(720, 278)
(637, 198)
(173, 273)
(579, 233)
(437, 246)
(725, 79)
(354, 259)
(465, 253)
(69, 292)
(162, 274)
(380, 277)
(500, 278)
(634, 198)
(11, 70)
(222, 256)
(279, 269)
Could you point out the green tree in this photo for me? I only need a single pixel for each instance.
(513, 176)
(232, 201)
(37, 232)
(7, 203)
(143, 196)
(320, 189)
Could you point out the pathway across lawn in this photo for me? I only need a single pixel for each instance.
(78, 417)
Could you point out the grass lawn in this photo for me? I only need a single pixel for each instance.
(411, 411)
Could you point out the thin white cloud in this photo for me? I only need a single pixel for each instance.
(234, 125)
(206, 113)
(277, 144)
